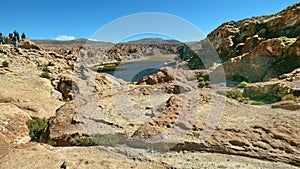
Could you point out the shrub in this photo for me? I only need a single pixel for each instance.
(236, 94)
(5, 63)
(36, 128)
(99, 139)
(257, 103)
(87, 141)
(288, 97)
(285, 39)
(51, 142)
(83, 141)
(201, 79)
(243, 84)
(45, 75)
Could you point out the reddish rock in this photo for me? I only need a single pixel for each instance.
(288, 105)
(65, 86)
(64, 125)
(27, 44)
(164, 75)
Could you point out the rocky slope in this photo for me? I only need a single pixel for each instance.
(260, 48)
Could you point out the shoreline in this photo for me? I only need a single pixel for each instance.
(156, 58)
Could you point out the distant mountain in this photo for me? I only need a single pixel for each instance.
(83, 41)
(80, 41)
(106, 51)
(151, 41)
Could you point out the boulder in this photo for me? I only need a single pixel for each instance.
(268, 90)
(64, 125)
(27, 44)
(288, 105)
(293, 76)
(163, 76)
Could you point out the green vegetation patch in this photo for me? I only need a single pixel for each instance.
(258, 103)
(108, 67)
(202, 78)
(236, 95)
(5, 63)
(36, 127)
(243, 84)
(286, 39)
(83, 141)
(99, 139)
(45, 75)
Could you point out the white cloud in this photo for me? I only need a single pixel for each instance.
(95, 40)
(65, 37)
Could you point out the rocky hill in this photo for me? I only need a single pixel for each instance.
(108, 52)
(260, 48)
(257, 49)
(56, 114)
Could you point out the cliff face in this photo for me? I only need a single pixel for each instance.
(260, 48)
(235, 38)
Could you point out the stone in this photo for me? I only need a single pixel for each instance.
(263, 90)
(27, 44)
(288, 105)
(163, 76)
(64, 125)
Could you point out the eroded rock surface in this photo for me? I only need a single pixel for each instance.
(45, 156)
(256, 49)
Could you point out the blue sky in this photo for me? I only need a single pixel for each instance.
(49, 19)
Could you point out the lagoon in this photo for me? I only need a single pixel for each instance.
(135, 70)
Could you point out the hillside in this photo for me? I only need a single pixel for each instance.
(260, 48)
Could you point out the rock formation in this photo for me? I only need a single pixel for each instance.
(259, 48)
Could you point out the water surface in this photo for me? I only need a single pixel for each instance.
(134, 71)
